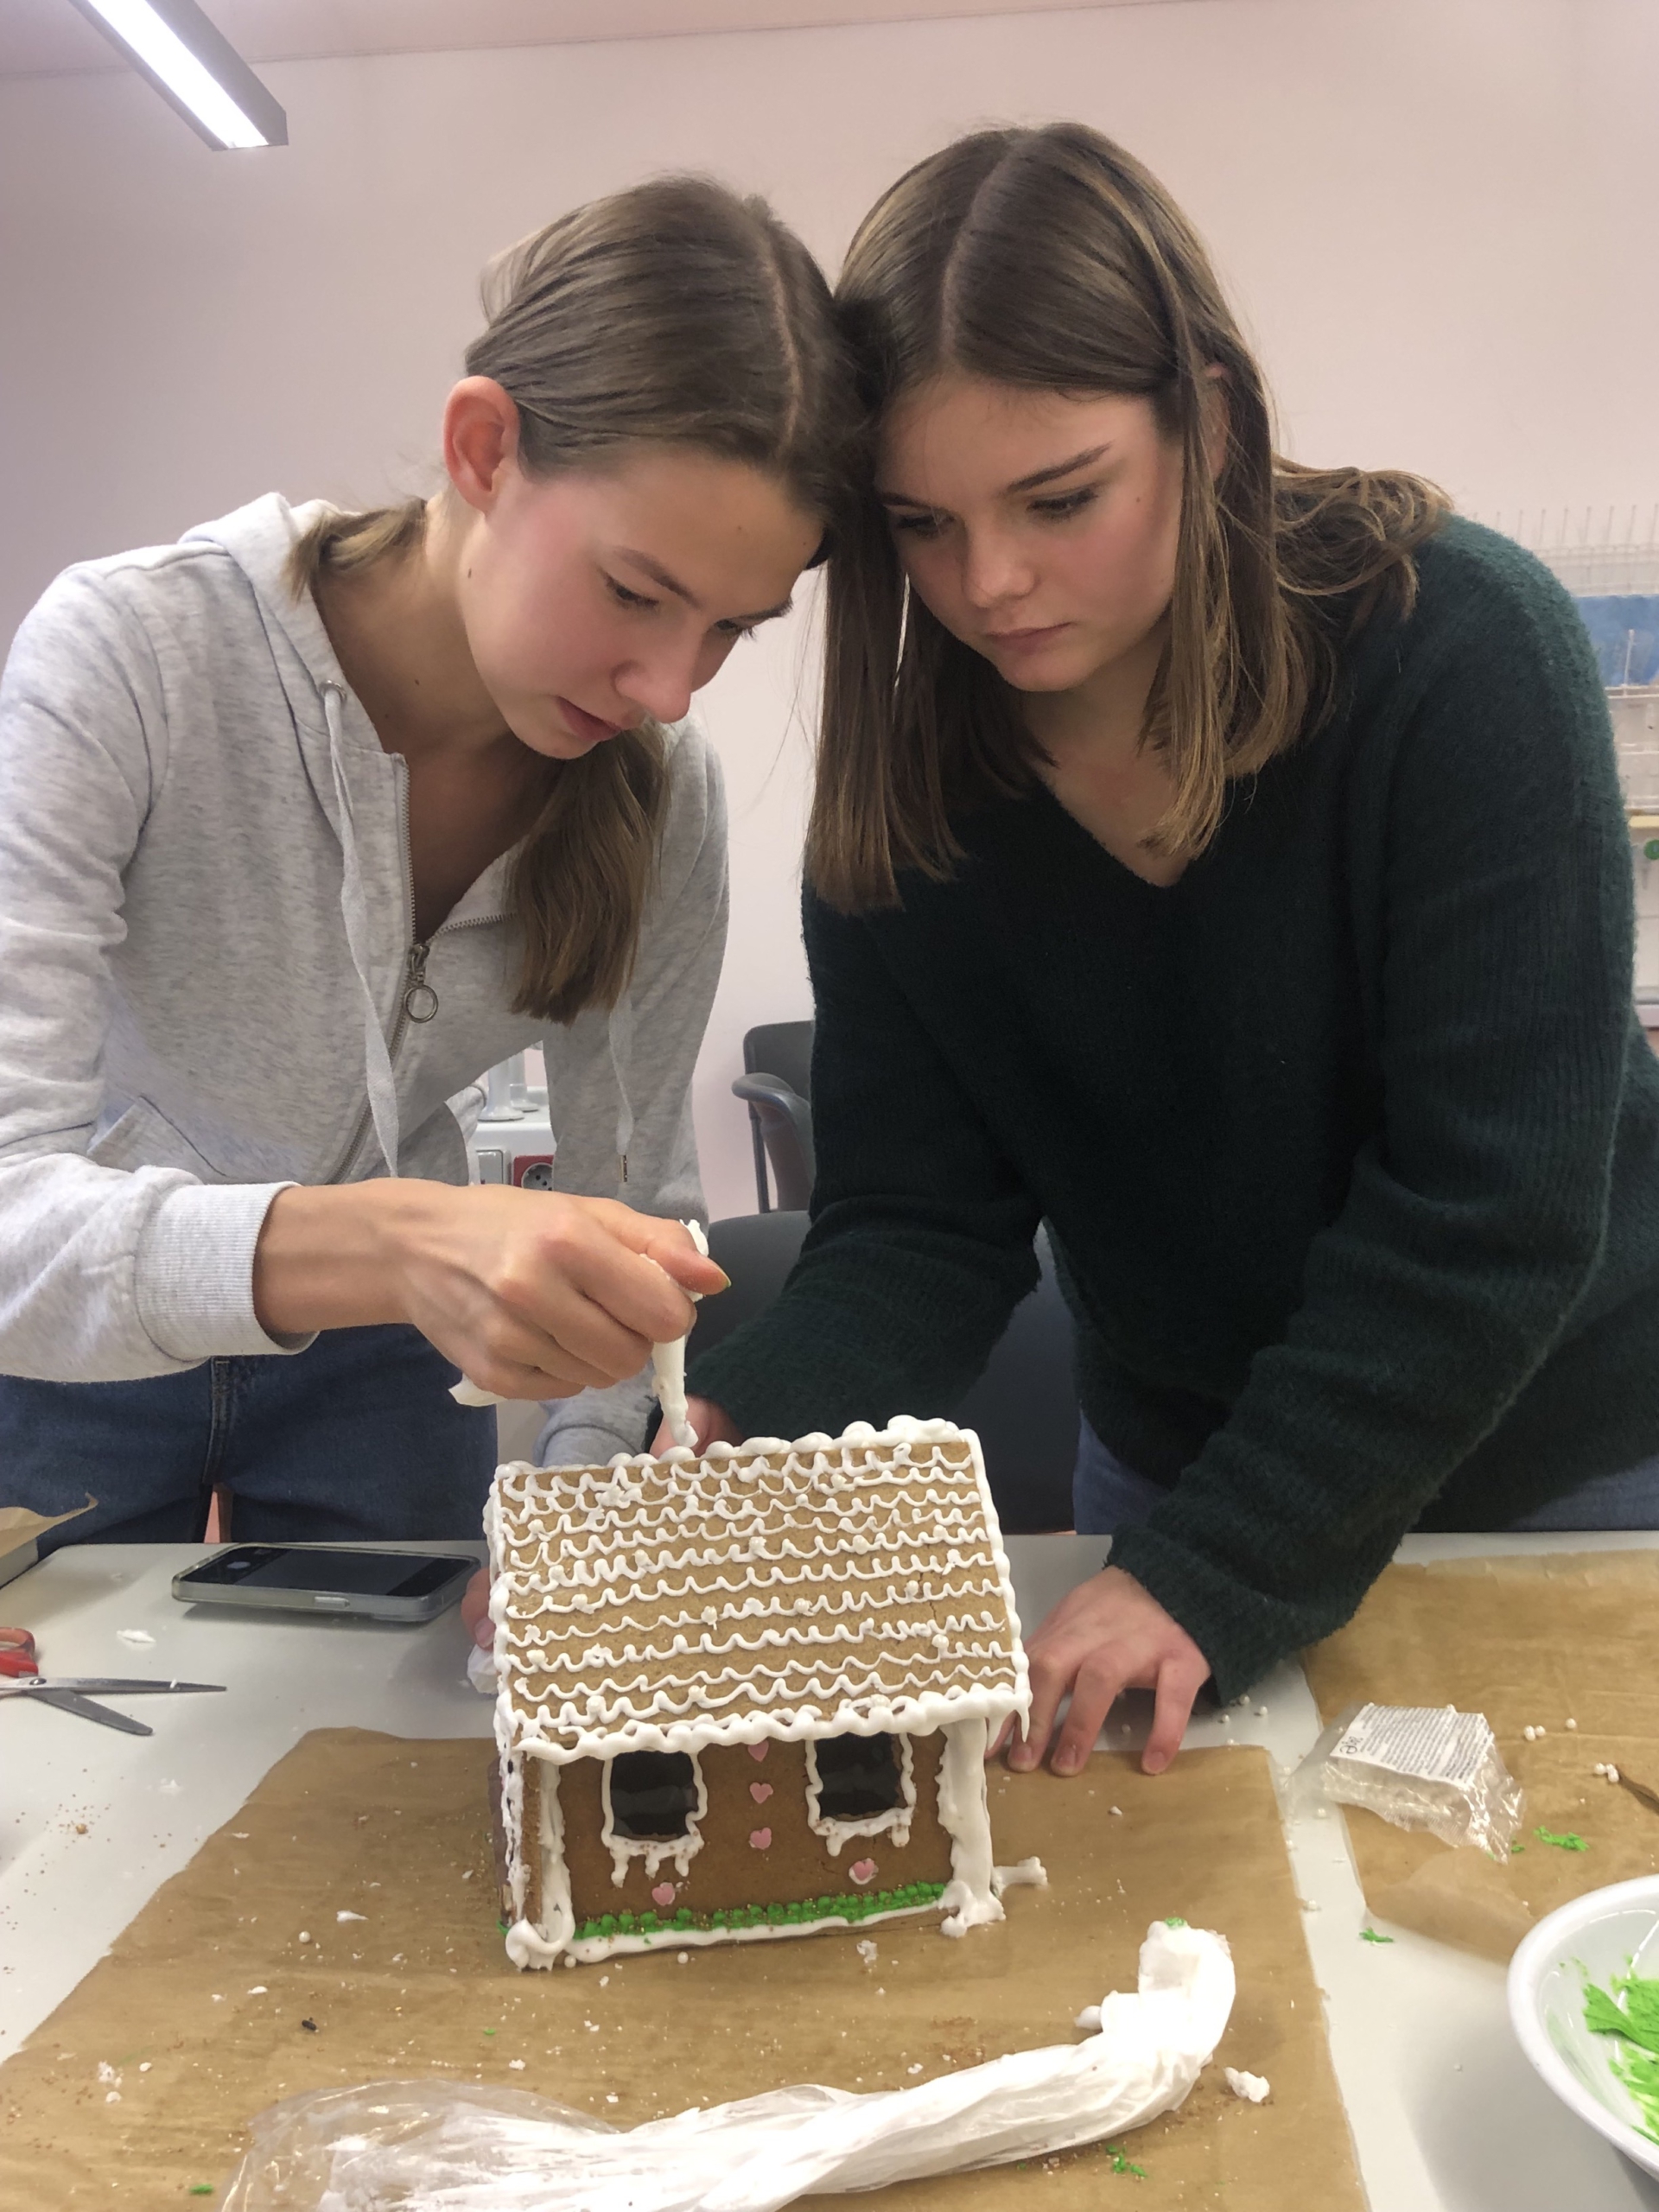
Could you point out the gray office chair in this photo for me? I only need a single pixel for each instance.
(1024, 1407)
(777, 1086)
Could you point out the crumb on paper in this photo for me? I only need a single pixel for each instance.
(350, 1916)
(682, 1958)
(915, 2069)
(258, 1990)
(1117, 1812)
(1253, 2088)
(868, 1952)
(516, 2064)
(305, 1935)
(135, 1635)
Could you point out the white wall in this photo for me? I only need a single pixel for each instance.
(1437, 216)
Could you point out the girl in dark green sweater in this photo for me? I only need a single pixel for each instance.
(1224, 862)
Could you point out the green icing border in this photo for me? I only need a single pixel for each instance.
(799, 1912)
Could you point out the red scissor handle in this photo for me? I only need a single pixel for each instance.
(17, 1652)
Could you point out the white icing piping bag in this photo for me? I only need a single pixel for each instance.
(667, 1368)
(437, 2146)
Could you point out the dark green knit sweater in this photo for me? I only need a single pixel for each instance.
(1348, 1142)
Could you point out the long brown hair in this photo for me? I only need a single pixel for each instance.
(1050, 259)
(672, 314)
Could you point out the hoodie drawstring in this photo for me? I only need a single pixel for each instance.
(620, 1035)
(379, 1079)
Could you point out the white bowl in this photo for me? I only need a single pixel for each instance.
(1608, 1932)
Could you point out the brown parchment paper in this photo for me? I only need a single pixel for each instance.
(1530, 1640)
(213, 1990)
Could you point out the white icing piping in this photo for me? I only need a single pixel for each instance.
(668, 1367)
(529, 1945)
(590, 1949)
(682, 1849)
(971, 1897)
(894, 1822)
(956, 1662)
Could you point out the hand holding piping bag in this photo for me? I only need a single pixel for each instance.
(667, 1359)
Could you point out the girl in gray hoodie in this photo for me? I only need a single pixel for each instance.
(310, 819)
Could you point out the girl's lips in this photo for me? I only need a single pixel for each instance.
(583, 724)
(1017, 639)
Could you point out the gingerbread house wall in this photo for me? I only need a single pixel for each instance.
(758, 1848)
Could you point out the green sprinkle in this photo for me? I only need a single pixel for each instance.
(1568, 1842)
(490, 2032)
(502, 1925)
(1636, 2024)
(1370, 1935)
(1175, 1920)
(1122, 2162)
(1515, 1849)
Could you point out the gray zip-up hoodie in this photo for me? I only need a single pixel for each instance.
(205, 949)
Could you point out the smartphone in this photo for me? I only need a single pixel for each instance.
(328, 1578)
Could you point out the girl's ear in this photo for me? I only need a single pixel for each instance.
(1218, 418)
(480, 439)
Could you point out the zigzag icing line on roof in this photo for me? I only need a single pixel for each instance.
(918, 1713)
(849, 1627)
(939, 1640)
(885, 1565)
(575, 1617)
(580, 1711)
(702, 1693)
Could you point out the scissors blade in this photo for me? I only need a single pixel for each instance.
(71, 1701)
(118, 1686)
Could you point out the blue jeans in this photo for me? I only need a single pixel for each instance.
(354, 1440)
(1107, 1496)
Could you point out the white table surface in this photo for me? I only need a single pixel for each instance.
(1446, 2115)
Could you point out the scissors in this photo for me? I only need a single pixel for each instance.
(20, 1677)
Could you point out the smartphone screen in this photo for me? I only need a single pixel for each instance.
(357, 1575)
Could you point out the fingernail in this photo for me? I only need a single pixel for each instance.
(1066, 1762)
(1154, 1763)
(484, 1634)
(1022, 1756)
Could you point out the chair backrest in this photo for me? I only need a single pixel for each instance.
(781, 1048)
(1024, 1407)
(778, 1086)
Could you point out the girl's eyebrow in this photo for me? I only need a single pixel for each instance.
(1021, 484)
(660, 576)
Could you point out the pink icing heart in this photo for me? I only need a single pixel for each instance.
(663, 1895)
(759, 1791)
(760, 1839)
(862, 1871)
(758, 1750)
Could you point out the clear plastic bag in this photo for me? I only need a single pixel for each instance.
(1418, 1766)
(427, 2146)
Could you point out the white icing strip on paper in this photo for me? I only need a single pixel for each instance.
(894, 1822)
(970, 1898)
(1026, 1874)
(591, 1950)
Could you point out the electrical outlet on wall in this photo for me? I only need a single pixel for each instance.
(533, 1171)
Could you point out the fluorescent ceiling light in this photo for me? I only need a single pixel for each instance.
(194, 66)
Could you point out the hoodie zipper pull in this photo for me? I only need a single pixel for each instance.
(420, 999)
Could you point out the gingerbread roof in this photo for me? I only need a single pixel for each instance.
(831, 1586)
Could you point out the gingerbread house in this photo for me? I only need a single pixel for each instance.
(748, 1694)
